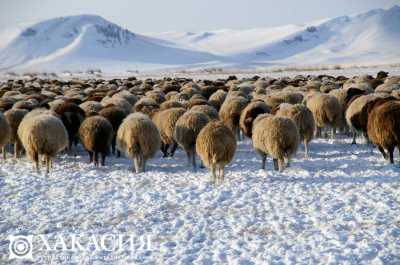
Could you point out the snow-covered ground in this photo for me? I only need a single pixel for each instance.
(341, 206)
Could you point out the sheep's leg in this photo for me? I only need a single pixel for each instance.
(103, 159)
(164, 149)
(222, 175)
(213, 173)
(174, 146)
(382, 152)
(391, 150)
(118, 153)
(4, 153)
(47, 158)
(237, 129)
(354, 138)
(136, 164)
(113, 143)
(143, 165)
(263, 159)
(326, 135)
(305, 148)
(319, 132)
(333, 137)
(193, 157)
(36, 160)
(16, 149)
(76, 141)
(90, 157)
(201, 164)
(70, 141)
(96, 159)
(276, 167)
(288, 162)
(189, 158)
(43, 158)
(281, 164)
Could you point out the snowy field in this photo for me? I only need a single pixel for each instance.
(341, 206)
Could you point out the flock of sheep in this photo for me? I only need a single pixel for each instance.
(42, 117)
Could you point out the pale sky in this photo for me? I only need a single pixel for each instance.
(188, 15)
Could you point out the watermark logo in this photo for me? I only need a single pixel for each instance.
(20, 247)
(25, 247)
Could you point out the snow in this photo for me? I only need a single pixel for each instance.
(340, 206)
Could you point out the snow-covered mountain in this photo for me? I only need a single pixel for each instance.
(87, 41)
(369, 37)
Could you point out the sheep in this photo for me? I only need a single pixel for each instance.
(96, 134)
(132, 99)
(40, 111)
(326, 110)
(91, 107)
(139, 139)
(356, 114)
(230, 111)
(275, 99)
(118, 101)
(43, 135)
(14, 118)
(115, 116)
(165, 121)
(210, 111)
(217, 98)
(344, 96)
(171, 104)
(249, 113)
(5, 134)
(304, 120)
(216, 146)
(276, 136)
(72, 116)
(146, 105)
(187, 128)
(384, 126)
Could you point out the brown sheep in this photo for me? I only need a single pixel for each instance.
(344, 96)
(71, 116)
(276, 136)
(96, 134)
(187, 128)
(326, 110)
(115, 116)
(210, 111)
(42, 135)
(216, 146)
(357, 114)
(5, 134)
(146, 105)
(14, 118)
(230, 111)
(217, 99)
(139, 139)
(249, 114)
(165, 121)
(171, 104)
(304, 120)
(384, 126)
